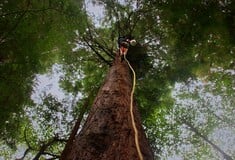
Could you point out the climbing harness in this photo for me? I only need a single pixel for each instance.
(131, 103)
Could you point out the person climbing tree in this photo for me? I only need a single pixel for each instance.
(123, 44)
(113, 127)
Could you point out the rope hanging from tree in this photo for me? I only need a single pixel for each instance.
(124, 43)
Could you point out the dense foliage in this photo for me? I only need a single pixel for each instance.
(185, 87)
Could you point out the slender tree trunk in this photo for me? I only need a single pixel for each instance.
(108, 132)
(74, 131)
(217, 148)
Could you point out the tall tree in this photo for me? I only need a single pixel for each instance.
(33, 36)
(217, 148)
(179, 32)
(109, 131)
(185, 39)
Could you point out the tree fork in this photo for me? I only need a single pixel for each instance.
(108, 133)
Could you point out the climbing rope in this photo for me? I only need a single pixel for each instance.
(132, 112)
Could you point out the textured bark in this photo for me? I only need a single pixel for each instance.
(108, 133)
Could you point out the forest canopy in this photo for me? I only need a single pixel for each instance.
(54, 56)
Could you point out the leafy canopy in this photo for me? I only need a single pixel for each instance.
(185, 85)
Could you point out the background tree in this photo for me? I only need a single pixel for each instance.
(34, 35)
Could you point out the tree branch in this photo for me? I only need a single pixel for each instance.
(22, 14)
(105, 49)
(28, 10)
(24, 155)
(45, 146)
(89, 37)
(3, 38)
(97, 53)
(25, 138)
(217, 148)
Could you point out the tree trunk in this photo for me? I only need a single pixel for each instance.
(108, 132)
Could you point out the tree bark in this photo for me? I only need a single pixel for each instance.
(108, 132)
